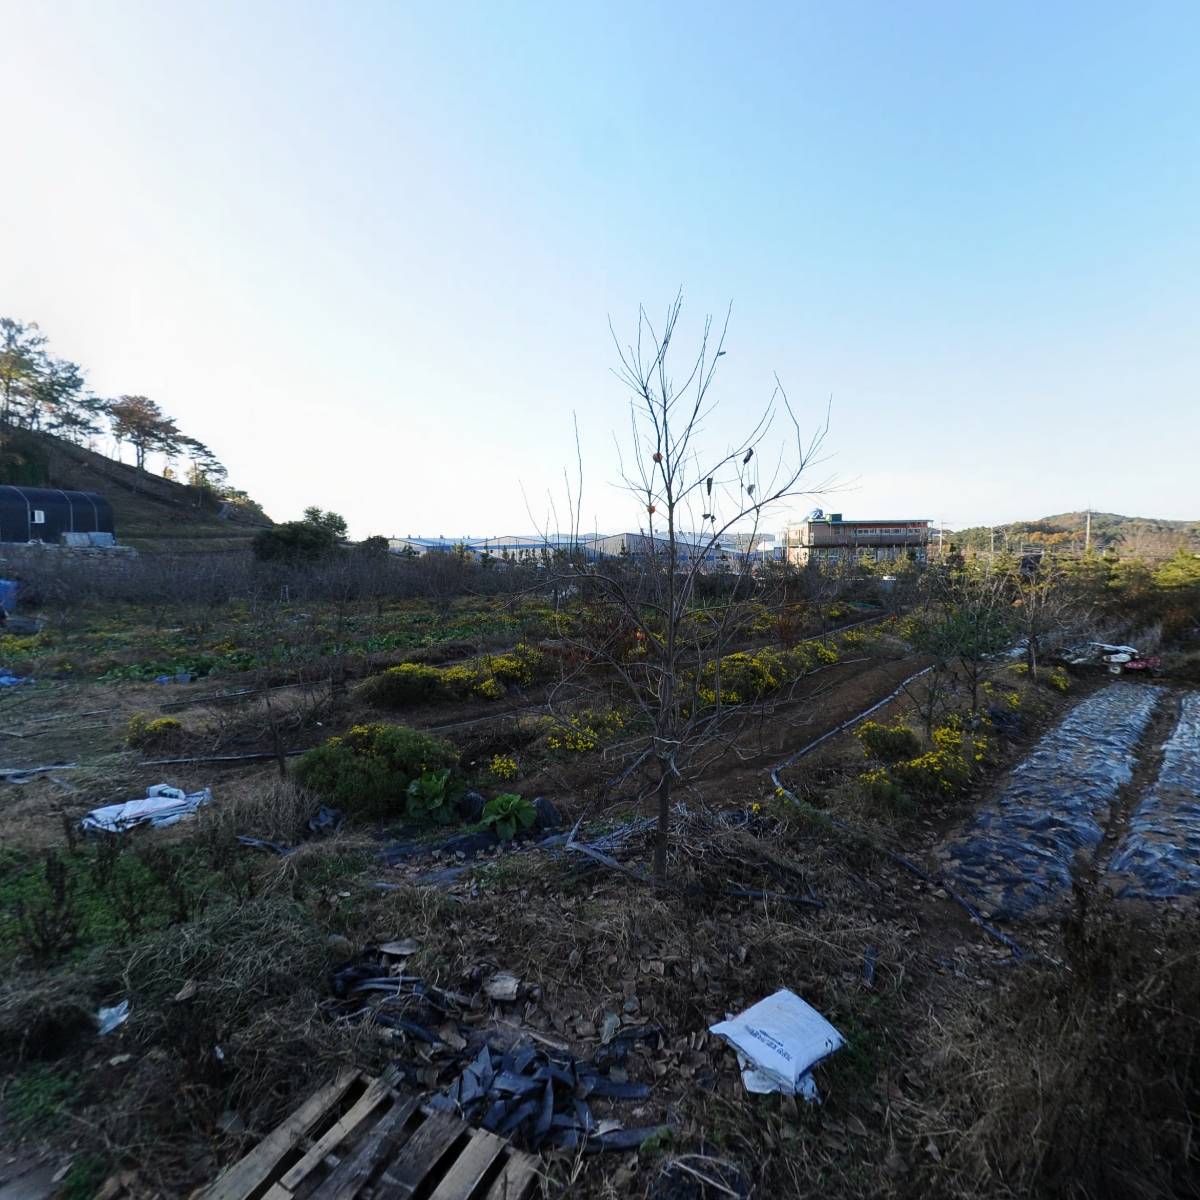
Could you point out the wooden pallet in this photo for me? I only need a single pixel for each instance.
(359, 1138)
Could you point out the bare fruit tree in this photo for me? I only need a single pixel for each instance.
(1044, 610)
(673, 601)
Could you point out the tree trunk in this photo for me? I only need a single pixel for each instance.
(664, 823)
(1031, 658)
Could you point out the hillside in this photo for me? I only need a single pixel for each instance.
(1144, 537)
(151, 513)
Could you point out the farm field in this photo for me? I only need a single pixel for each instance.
(230, 934)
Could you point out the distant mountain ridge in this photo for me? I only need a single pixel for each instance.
(1146, 537)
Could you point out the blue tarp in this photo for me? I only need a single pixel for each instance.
(8, 594)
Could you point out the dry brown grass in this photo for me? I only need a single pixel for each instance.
(1081, 1080)
(245, 1034)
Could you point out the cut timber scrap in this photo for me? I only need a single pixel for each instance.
(351, 1174)
(419, 1157)
(359, 1139)
(471, 1166)
(366, 1104)
(515, 1181)
(252, 1174)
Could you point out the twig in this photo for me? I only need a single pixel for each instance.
(758, 894)
(258, 756)
(606, 860)
(22, 774)
(696, 889)
(706, 1180)
(217, 697)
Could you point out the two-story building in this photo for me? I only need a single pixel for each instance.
(825, 538)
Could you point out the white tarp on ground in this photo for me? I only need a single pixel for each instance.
(778, 1041)
(162, 805)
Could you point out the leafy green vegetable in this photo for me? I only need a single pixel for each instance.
(509, 812)
(431, 796)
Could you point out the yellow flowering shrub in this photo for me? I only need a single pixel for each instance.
(585, 731)
(503, 766)
(521, 665)
(746, 676)
(145, 732)
(411, 683)
(459, 681)
(944, 769)
(1059, 680)
(14, 646)
(888, 743)
(490, 689)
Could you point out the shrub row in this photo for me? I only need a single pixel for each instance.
(488, 677)
(905, 770)
(746, 676)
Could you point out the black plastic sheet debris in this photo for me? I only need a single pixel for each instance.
(323, 823)
(522, 1092)
(365, 990)
(539, 1100)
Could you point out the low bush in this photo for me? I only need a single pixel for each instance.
(145, 732)
(486, 678)
(746, 676)
(944, 769)
(888, 743)
(367, 770)
(881, 791)
(408, 683)
(523, 665)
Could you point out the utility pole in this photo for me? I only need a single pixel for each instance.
(1087, 536)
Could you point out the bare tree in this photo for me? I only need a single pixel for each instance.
(967, 620)
(1043, 609)
(664, 648)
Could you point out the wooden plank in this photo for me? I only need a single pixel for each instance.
(470, 1166)
(355, 1169)
(254, 1170)
(420, 1155)
(370, 1100)
(516, 1180)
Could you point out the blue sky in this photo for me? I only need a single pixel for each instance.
(368, 252)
